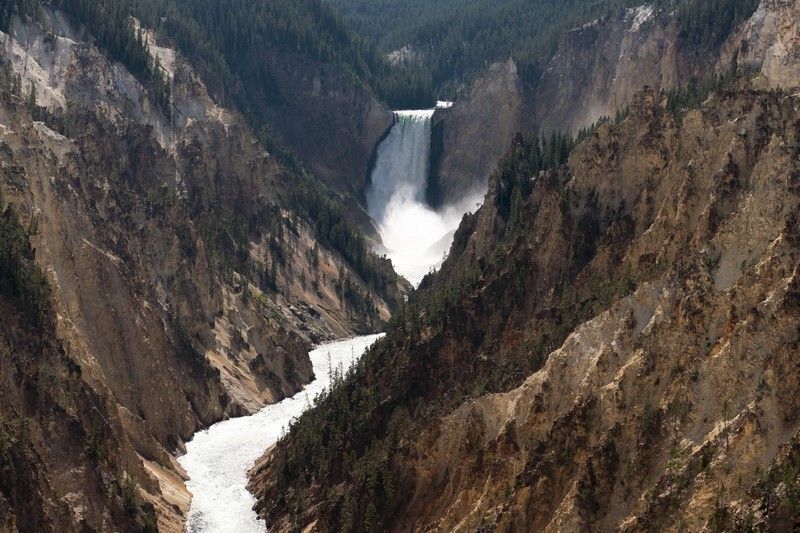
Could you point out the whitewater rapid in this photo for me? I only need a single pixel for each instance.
(415, 236)
(217, 459)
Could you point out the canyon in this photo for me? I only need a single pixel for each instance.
(601, 345)
(586, 274)
(601, 352)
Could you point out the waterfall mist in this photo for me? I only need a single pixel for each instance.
(415, 236)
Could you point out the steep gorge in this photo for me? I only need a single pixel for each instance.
(605, 345)
(413, 234)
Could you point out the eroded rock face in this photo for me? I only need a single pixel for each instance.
(468, 138)
(599, 67)
(769, 42)
(679, 375)
(650, 289)
(65, 457)
(594, 73)
(166, 324)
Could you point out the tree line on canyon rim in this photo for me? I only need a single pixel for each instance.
(229, 43)
(454, 40)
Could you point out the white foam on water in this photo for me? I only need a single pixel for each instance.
(217, 459)
(415, 236)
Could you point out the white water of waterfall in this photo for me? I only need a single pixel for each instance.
(217, 459)
(415, 236)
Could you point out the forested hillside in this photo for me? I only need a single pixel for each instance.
(456, 39)
(232, 38)
(229, 39)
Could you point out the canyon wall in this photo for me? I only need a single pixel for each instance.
(183, 287)
(468, 138)
(329, 119)
(609, 345)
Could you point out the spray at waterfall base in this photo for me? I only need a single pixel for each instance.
(415, 236)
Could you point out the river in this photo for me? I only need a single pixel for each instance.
(416, 237)
(217, 459)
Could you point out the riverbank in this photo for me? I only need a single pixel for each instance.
(217, 459)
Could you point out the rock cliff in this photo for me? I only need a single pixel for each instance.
(610, 345)
(769, 43)
(596, 70)
(330, 120)
(468, 138)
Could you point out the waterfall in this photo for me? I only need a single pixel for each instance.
(415, 236)
(401, 168)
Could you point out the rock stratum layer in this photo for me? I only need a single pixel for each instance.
(611, 345)
(182, 286)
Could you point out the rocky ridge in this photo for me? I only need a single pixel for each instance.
(609, 345)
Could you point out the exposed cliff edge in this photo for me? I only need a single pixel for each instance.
(184, 286)
(769, 42)
(611, 344)
(596, 70)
